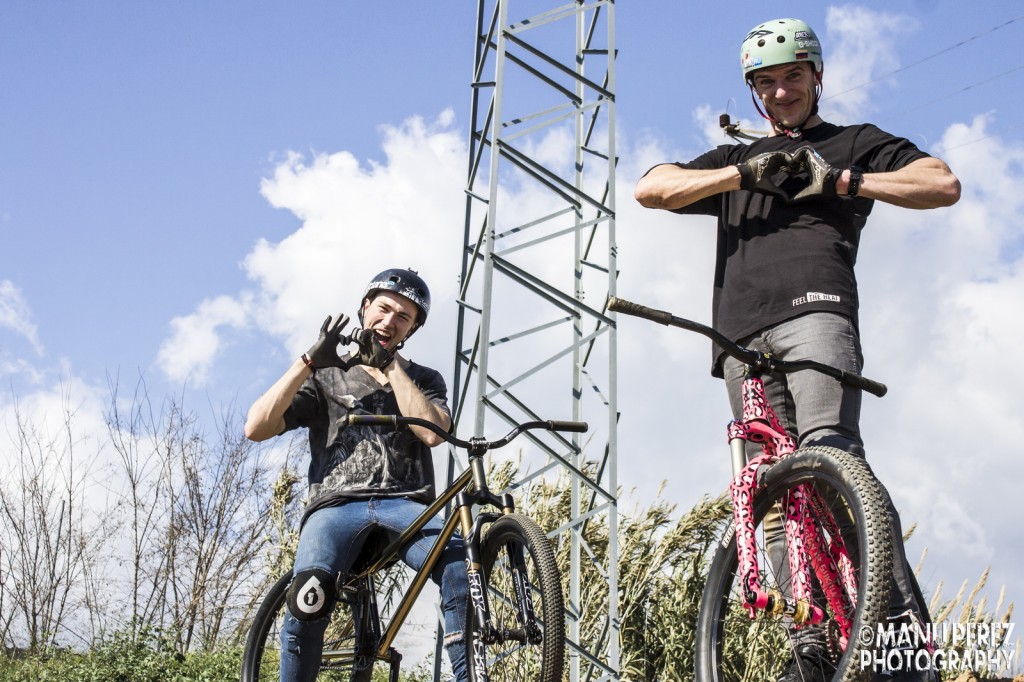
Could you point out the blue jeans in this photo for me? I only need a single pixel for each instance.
(332, 538)
(819, 410)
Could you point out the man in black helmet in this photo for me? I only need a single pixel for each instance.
(362, 479)
(790, 209)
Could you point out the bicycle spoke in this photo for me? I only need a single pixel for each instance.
(843, 536)
(339, 662)
(526, 625)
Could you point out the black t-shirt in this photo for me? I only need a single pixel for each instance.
(362, 461)
(779, 260)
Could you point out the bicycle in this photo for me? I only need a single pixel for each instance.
(824, 512)
(516, 623)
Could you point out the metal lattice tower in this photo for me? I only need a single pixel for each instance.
(534, 338)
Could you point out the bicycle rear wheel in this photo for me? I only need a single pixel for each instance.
(731, 646)
(261, 660)
(521, 580)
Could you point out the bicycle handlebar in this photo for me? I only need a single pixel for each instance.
(760, 361)
(396, 420)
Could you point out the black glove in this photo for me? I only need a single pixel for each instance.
(324, 353)
(371, 353)
(765, 172)
(822, 177)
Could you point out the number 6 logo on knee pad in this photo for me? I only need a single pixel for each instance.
(312, 594)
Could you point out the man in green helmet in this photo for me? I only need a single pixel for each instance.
(790, 208)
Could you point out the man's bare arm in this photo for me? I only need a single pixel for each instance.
(412, 402)
(925, 183)
(266, 415)
(669, 187)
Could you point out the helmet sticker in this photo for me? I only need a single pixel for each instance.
(403, 282)
(782, 41)
(412, 294)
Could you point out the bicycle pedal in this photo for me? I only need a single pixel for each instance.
(396, 663)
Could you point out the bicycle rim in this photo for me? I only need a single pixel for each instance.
(261, 660)
(519, 655)
(733, 647)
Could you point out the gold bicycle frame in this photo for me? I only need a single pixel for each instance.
(390, 553)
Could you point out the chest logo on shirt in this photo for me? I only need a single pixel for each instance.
(815, 297)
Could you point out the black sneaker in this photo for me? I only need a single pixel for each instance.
(809, 663)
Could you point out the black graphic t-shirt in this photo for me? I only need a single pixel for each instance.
(362, 461)
(779, 260)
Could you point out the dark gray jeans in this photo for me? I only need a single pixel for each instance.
(820, 411)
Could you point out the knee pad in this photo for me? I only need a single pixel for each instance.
(312, 594)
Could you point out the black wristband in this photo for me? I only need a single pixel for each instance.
(856, 174)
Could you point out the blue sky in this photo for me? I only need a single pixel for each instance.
(131, 129)
(171, 173)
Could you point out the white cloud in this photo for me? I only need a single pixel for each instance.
(45, 405)
(16, 315)
(406, 211)
(62, 422)
(939, 292)
(860, 46)
(196, 341)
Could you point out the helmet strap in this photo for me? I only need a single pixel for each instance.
(792, 132)
(415, 327)
(407, 337)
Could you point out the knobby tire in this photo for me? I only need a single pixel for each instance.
(261, 657)
(511, 660)
(732, 647)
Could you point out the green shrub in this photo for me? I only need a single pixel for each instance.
(148, 657)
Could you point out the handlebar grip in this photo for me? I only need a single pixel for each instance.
(621, 305)
(372, 419)
(864, 384)
(575, 427)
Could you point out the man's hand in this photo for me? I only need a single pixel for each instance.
(371, 353)
(324, 353)
(822, 176)
(765, 173)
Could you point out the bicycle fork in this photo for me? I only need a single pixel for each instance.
(529, 632)
(808, 550)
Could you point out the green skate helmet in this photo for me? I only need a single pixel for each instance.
(779, 41)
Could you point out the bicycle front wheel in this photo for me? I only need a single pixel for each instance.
(732, 646)
(261, 660)
(525, 639)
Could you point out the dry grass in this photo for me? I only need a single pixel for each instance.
(970, 610)
(663, 563)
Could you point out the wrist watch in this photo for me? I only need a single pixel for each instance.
(856, 173)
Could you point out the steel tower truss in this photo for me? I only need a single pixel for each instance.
(534, 338)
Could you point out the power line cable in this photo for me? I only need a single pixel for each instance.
(921, 61)
(953, 94)
(943, 150)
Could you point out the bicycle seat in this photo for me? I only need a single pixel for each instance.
(372, 549)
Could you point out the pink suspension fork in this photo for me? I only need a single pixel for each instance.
(828, 560)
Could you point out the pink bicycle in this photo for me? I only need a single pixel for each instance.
(809, 544)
